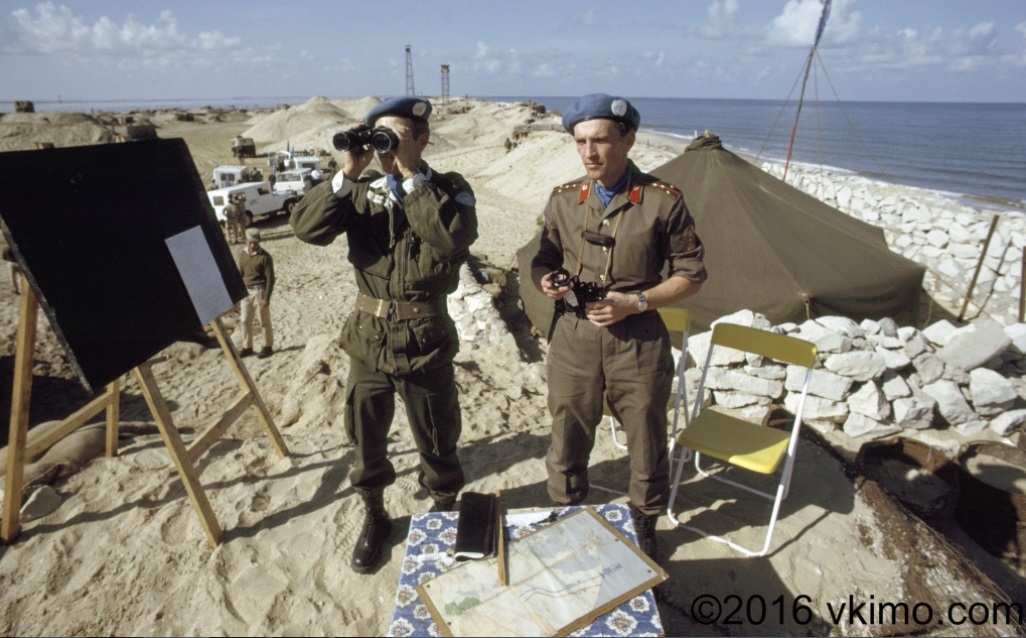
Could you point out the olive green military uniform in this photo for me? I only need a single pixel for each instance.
(631, 360)
(400, 337)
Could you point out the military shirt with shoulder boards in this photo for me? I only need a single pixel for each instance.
(653, 235)
(409, 252)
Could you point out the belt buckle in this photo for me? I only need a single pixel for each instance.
(380, 310)
(392, 309)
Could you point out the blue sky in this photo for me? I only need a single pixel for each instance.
(894, 50)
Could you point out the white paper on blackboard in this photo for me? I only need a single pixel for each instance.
(199, 271)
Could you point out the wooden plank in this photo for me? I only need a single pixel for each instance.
(113, 417)
(179, 454)
(210, 436)
(263, 415)
(68, 425)
(21, 395)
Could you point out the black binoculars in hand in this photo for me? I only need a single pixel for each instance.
(584, 291)
(381, 139)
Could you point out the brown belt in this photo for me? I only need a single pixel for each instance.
(400, 310)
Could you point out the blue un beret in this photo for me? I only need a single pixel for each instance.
(600, 105)
(414, 108)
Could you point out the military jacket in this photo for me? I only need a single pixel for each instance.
(647, 230)
(409, 251)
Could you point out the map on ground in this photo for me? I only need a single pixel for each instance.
(560, 578)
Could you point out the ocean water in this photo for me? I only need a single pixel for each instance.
(973, 150)
(976, 151)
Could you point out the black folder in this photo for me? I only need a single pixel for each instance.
(476, 529)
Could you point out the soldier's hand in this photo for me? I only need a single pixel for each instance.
(357, 158)
(615, 307)
(552, 292)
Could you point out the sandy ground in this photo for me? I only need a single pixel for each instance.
(116, 547)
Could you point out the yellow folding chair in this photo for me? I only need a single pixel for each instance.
(741, 443)
(676, 320)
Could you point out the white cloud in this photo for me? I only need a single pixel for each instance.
(796, 26)
(53, 29)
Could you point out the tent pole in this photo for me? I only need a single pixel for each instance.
(979, 265)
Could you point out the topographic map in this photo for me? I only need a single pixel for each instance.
(560, 578)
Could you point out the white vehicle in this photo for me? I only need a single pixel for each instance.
(297, 181)
(260, 201)
(307, 161)
(233, 174)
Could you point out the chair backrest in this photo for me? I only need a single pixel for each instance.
(676, 319)
(763, 342)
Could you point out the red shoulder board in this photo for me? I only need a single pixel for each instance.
(665, 188)
(635, 194)
(585, 188)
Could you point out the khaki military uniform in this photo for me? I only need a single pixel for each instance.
(631, 361)
(235, 226)
(258, 275)
(406, 257)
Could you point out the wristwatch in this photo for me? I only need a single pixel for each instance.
(642, 302)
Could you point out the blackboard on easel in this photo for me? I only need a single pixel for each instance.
(97, 231)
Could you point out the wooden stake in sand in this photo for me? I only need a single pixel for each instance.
(18, 448)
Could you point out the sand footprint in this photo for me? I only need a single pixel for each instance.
(179, 526)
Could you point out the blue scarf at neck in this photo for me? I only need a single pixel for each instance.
(396, 186)
(605, 195)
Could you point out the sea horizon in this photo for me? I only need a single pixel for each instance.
(962, 149)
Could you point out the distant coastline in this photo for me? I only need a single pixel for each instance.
(961, 149)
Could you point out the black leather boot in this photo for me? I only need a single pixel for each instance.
(444, 504)
(376, 529)
(645, 526)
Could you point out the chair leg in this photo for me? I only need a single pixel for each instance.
(612, 430)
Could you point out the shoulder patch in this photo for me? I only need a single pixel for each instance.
(568, 187)
(465, 198)
(664, 188)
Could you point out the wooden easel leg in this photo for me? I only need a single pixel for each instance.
(113, 416)
(179, 454)
(20, 398)
(263, 415)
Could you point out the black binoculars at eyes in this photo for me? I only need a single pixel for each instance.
(381, 139)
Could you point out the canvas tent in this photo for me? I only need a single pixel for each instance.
(773, 249)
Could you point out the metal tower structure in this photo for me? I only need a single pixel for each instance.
(445, 87)
(409, 72)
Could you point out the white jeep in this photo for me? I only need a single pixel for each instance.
(260, 201)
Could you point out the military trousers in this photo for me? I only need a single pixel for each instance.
(433, 411)
(631, 364)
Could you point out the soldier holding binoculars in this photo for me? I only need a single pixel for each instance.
(606, 242)
(409, 232)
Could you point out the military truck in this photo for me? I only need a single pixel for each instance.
(243, 147)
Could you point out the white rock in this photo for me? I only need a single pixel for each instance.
(817, 408)
(888, 327)
(721, 379)
(869, 326)
(971, 346)
(915, 345)
(1017, 333)
(746, 318)
(914, 412)
(859, 425)
(929, 368)
(950, 402)
(841, 325)
(859, 365)
(869, 401)
(732, 399)
(1005, 424)
(823, 383)
(937, 238)
(938, 333)
(771, 371)
(894, 386)
(991, 393)
(698, 349)
(893, 359)
(826, 340)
